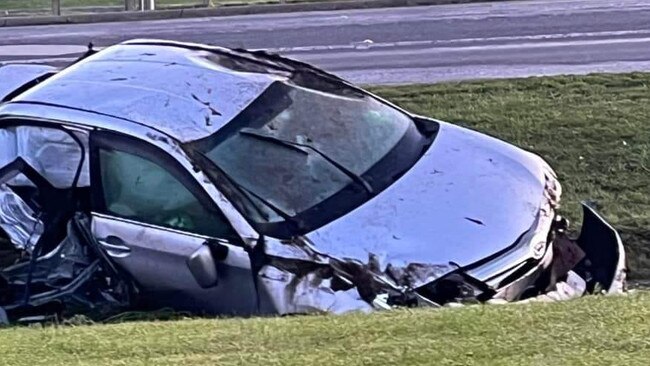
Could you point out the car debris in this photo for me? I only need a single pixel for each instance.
(159, 174)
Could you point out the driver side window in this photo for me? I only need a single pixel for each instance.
(139, 189)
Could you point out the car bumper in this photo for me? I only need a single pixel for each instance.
(597, 257)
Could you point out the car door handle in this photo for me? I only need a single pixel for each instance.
(115, 247)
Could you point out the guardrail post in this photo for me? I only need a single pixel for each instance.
(56, 7)
(148, 4)
(130, 5)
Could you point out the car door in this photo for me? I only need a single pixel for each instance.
(156, 222)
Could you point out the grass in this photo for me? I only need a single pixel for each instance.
(588, 331)
(46, 4)
(594, 130)
(43, 4)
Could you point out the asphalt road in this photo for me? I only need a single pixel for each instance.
(396, 45)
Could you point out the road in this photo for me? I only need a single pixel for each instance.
(396, 45)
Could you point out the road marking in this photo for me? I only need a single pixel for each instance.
(297, 51)
(40, 50)
(538, 37)
(68, 53)
(48, 60)
(489, 47)
(52, 51)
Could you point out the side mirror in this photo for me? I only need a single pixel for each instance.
(203, 267)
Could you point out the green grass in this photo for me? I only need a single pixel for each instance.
(594, 130)
(43, 4)
(589, 331)
(46, 4)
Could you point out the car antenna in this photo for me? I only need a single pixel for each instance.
(91, 51)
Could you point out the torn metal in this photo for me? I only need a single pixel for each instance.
(74, 278)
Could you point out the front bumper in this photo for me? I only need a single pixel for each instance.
(597, 257)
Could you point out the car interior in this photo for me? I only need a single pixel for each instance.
(45, 254)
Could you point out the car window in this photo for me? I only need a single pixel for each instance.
(52, 152)
(356, 133)
(137, 188)
(301, 157)
(55, 157)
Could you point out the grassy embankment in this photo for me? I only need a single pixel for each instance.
(589, 331)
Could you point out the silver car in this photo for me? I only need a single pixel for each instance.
(160, 174)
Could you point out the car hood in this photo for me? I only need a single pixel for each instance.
(468, 197)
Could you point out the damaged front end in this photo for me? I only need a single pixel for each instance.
(293, 277)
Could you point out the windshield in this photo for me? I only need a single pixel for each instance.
(295, 149)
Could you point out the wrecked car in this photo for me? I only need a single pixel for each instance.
(157, 174)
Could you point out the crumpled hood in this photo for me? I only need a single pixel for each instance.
(468, 197)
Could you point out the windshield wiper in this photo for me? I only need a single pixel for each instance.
(297, 146)
(247, 193)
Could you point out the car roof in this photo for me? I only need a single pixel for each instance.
(186, 91)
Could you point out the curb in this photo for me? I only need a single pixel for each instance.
(224, 11)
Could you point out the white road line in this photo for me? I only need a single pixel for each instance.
(60, 50)
(495, 47)
(40, 50)
(50, 52)
(538, 37)
(39, 60)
